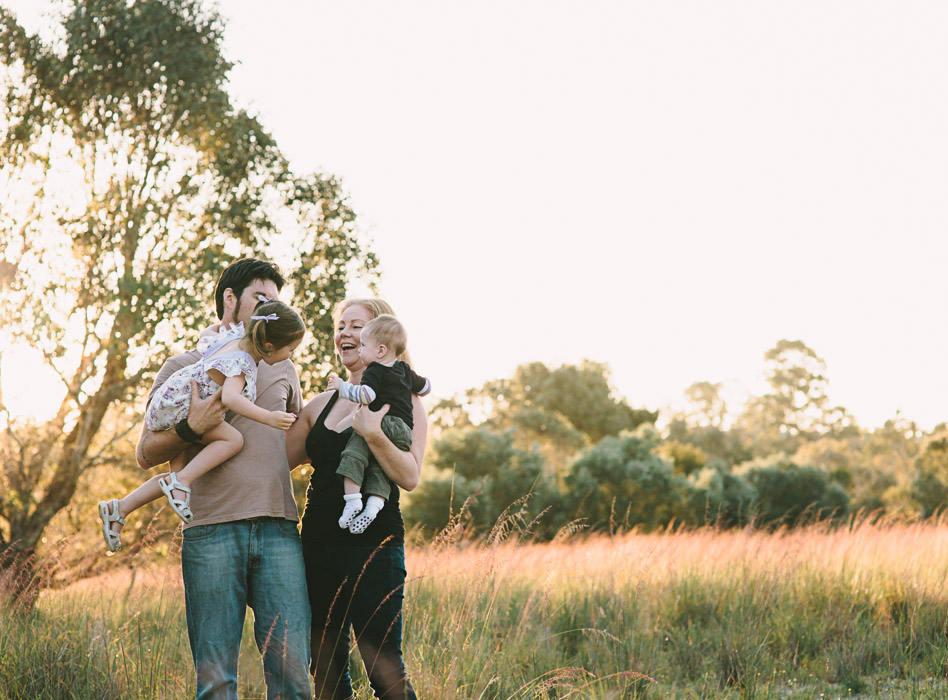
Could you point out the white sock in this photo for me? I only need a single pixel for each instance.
(372, 507)
(353, 506)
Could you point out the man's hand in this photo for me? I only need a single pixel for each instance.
(333, 382)
(366, 422)
(281, 420)
(204, 414)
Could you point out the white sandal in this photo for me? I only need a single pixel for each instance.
(113, 539)
(181, 507)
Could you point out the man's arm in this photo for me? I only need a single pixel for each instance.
(158, 447)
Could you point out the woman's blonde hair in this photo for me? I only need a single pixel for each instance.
(279, 325)
(376, 307)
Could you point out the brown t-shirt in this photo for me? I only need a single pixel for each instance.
(256, 482)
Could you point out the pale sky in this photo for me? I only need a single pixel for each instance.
(667, 187)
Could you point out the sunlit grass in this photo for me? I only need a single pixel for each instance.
(859, 612)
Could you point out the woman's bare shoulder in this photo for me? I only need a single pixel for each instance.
(315, 405)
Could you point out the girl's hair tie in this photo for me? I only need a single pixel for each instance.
(268, 317)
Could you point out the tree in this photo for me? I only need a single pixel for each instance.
(487, 467)
(128, 179)
(706, 407)
(930, 487)
(797, 408)
(558, 411)
(788, 494)
(721, 497)
(621, 483)
(877, 467)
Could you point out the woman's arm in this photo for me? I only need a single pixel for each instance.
(404, 468)
(296, 435)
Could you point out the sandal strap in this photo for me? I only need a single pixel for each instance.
(177, 485)
(113, 512)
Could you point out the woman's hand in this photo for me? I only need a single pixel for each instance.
(368, 423)
(404, 468)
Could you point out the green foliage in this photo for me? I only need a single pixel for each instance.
(685, 458)
(561, 410)
(930, 487)
(620, 483)
(788, 494)
(876, 467)
(581, 394)
(721, 498)
(731, 445)
(487, 468)
(707, 408)
(128, 180)
(797, 408)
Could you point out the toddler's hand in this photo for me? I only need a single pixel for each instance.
(334, 382)
(281, 420)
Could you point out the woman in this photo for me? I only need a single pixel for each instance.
(354, 581)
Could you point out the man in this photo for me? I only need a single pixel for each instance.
(242, 547)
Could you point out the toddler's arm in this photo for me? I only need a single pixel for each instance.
(420, 386)
(357, 393)
(240, 404)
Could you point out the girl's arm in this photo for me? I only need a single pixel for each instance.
(296, 435)
(240, 404)
(404, 468)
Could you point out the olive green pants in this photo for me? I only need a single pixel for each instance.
(358, 463)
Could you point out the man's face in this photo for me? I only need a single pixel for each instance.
(254, 293)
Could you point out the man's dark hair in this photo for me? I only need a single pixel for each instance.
(240, 274)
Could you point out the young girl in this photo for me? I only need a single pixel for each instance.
(228, 362)
(386, 380)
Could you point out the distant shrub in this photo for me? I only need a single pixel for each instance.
(788, 494)
(720, 497)
(619, 482)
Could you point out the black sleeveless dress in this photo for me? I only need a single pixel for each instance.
(352, 582)
(324, 501)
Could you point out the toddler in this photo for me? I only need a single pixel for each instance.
(385, 380)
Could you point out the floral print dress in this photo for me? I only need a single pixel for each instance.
(172, 400)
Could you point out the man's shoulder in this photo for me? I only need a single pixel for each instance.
(172, 365)
(281, 370)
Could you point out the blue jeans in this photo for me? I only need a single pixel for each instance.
(359, 589)
(228, 566)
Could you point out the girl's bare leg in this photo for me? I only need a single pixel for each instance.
(146, 493)
(221, 442)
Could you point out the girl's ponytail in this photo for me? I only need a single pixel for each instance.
(276, 324)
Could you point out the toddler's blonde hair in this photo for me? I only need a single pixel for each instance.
(388, 331)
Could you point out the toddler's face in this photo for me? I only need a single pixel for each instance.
(369, 350)
(284, 353)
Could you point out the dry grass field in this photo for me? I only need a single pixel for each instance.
(808, 613)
